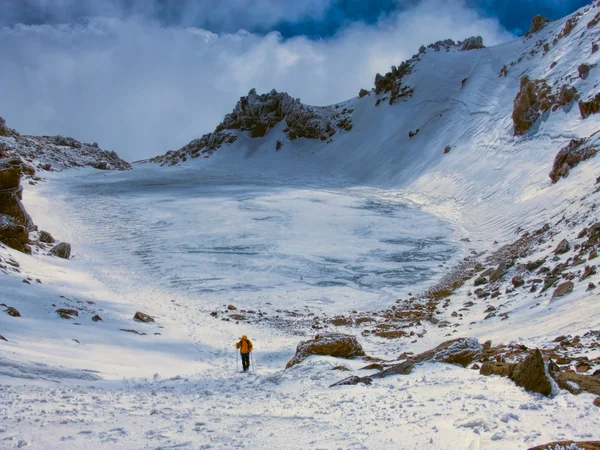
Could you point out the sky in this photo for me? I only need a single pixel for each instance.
(145, 76)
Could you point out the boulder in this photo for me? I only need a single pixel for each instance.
(62, 250)
(530, 374)
(331, 344)
(46, 237)
(97, 318)
(574, 382)
(362, 93)
(517, 281)
(583, 70)
(142, 317)
(562, 247)
(563, 289)
(447, 149)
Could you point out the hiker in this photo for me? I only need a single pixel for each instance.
(245, 347)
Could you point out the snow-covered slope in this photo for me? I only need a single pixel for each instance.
(418, 212)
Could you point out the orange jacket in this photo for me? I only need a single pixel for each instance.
(244, 345)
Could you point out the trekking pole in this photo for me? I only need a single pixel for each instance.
(237, 368)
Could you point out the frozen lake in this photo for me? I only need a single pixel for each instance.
(220, 239)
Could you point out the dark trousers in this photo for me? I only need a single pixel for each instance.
(245, 360)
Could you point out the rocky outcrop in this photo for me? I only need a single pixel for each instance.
(576, 151)
(534, 98)
(330, 344)
(537, 23)
(13, 234)
(589, 107)
(15, 223)
(257, 114)
(5, 131)
(461, 351)
(529, 374)
(472, 43)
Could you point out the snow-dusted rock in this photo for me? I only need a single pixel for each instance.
(12, 233)
(330, 344)
(62, 250)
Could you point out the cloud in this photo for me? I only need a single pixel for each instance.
(139, 87)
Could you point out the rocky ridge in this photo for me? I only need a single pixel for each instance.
(256, 114)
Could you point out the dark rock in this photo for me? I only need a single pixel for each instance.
(390, 334)
(66, 142)
(67, 313)
(480, 281)
(46, 237)
(472, 43)
(576, 383)
(583, 70)
(47, 167)
(563, 289)
(142, 317)
(495, 368)
(589, 107)
(537, 23)
(331, 344)
(100, 165)
(597, 403)
(374, 366)
(231, 308)
(563, 247)
(2, 338)
(447, 149)
(500, 271)
(576, 151)
(529, 374)
(588, 272)
(237, 317)
(62, 250)
(591, 286)
(97, 318)
(12, 312)
(13, 233)
(518, 281)
(341, 321)
(132, 331)
(362, 93)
